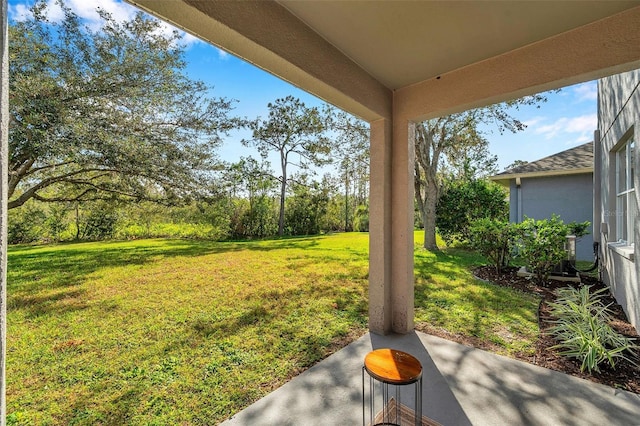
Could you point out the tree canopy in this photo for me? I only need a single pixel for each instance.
(292, 131)
(460, 139)
(351, 158)
(107, 113)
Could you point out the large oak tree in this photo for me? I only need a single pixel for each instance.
(449, 138)
(106, 113)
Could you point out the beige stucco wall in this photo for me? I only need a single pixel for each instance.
(618, 117)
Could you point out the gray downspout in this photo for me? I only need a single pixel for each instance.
(519, 196)
(597, 201)
(597, 187)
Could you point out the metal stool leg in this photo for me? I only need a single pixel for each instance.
(385, 403)
(397, 420)
(418, 409)
(363, 424)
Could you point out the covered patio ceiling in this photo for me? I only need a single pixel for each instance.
(394, 63)
(404, 43)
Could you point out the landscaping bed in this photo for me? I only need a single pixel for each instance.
(626, 376)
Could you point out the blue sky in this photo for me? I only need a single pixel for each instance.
(568, 118)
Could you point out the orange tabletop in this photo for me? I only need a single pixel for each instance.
(392, 366)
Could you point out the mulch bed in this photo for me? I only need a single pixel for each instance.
(626, 376)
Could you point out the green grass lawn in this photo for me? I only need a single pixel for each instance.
(187, 332)
(448, 297)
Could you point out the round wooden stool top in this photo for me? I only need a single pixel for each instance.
(392, 366)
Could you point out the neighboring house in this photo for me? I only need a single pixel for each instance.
(616, 162)
(560, 184)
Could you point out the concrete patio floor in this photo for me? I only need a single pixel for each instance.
(462, 386)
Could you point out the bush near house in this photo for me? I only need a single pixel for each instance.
(494, 239)
(542, 243)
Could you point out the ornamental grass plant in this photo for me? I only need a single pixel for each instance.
(583, 330)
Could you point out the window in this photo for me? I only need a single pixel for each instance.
(625, 192)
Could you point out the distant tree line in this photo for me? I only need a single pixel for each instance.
(311, 208)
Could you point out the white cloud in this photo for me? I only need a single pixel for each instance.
(188, 39)
(573, 129)
(533, 121)
(18, 12)
(120, 11)
(222, 54)
(584, 138)
(86, 10)
(583, 123)
(586, 91)
(22, 11)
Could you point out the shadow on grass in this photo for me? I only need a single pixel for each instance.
(275, 306)
(34, 270)
(446, 291)
(67, 265)
(287, 338)
(59, 303)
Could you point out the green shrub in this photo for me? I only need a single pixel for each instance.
(100, 224)
(259, 220)
(541, 244)
(579, 229)
(583, 330)
(305, 209)
(494, 239)
(464, 201)
(26, 224)
(58, 222)
(193, 231)
(361, 219)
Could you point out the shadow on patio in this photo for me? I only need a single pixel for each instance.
(462, 386)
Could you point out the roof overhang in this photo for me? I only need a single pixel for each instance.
(418, 59)
(505, 179)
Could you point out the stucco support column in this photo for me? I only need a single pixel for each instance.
(380, 227)
(391, 286)
(402, 206)
(4, 155)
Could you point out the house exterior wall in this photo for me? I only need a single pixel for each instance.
(568, 196)
(618, 122)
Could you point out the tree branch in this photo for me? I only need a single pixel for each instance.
(48, 166)
(29, 193)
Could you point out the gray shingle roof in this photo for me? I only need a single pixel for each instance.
(578, 158)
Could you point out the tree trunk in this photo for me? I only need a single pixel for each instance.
(283, 192)
(346, 202)
(426, 169)
(429, 214)
(77, 222)
(427, 209)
